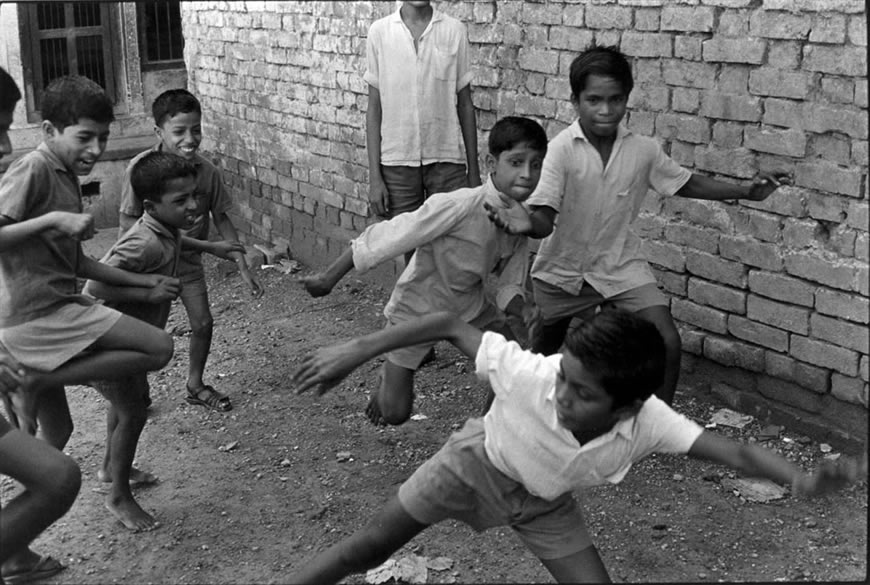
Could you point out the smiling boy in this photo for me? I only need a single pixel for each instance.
(558, 423)
(460, 257)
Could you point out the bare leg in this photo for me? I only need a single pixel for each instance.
(367, 548)
(52, 481)
(550, 337)
(660, 316)
(201, 330)
(581, 567)
(395, 398)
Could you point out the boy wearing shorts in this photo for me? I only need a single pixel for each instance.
(58, 335)
(463, 263)
(595, 177)
(166, 186)
(178, 124)
(558, 423)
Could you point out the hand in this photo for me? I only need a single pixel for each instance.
(830, 476)
(11, 374)
(510, 216)
(165, 288)
(765, 183)
(533, 320)
(224, 249)
(252, 282)
(379, 198)
(79, 226)
(326, 367)
(317, 285)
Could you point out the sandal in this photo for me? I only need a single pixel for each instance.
(210, 398)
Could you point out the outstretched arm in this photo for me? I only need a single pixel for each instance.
(755, 461)
(225, 226)
(328, 366)
(79, 226)
(513, 218)
(762, 186)
(166, 289)
(322, 283)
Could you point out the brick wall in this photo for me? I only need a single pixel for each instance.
(771, 298)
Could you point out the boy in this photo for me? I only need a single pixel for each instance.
(418, 71)
(178, 124)
(50, 478)
(460, 256)
(165, 184)
(595, 177)
(558, 423)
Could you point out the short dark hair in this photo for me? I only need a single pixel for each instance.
(513, 130)
(154, 170)
(9, 92)
(600, 60)
(172, 102)
(68, 99)
(624, 352)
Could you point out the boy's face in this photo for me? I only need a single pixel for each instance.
(5, 123)
(582, 404)
(177, 207)
(516, 171)
(600, 106)
(181, 134)
(79, 146)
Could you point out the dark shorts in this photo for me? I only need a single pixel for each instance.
(460, 482)
(409, 187)
(556, 303)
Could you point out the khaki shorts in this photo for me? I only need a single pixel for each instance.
(410, 358)
(192, 275)
(460, 482)
(557, 304)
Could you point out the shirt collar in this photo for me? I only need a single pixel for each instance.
(52, 158)
(157, 226)
(396, 17)
(576, 131)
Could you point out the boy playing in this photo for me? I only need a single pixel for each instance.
(595, 177)
(460, 257)
(418, 71)
(165, 184)
(557, 423)
(178, 124)
(57, 335)
(50, 478)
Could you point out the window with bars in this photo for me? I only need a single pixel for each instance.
(64, 38)
(161, 44)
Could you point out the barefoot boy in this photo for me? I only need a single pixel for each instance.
(50, 478)
(558, 423)
(165, 184)
(460, 258)
(595, 177)
(178, 124)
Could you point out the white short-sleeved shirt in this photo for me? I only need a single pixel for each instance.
(462, 259)
(418, 88)
(593, 240)
(525, 441)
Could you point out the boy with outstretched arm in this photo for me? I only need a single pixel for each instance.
(51, 479)
(165, 184)
(558, 423)
(58, 335)
(178, 124)
(460, 257)
(595, 177)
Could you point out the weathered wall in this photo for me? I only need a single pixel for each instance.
(772, 298)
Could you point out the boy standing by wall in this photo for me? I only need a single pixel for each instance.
(463, 263)
(595, 177)
(178, 124)
(165, 184)
(419, 76)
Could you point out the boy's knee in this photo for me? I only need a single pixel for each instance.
(202, 327)
(66, 481)
(673, 342)
(164, 349)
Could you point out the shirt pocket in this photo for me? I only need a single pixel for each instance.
(444, 64)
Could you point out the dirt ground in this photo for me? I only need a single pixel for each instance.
(246, 496)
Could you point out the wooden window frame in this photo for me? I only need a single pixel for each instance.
(141, 17)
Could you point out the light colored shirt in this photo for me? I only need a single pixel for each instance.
(593, 240)
(39, 275)
(525, 441)
(418, 88)
(211, 196)
(462, 260)
(148, 247)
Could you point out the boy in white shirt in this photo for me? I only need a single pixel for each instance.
(558, 423)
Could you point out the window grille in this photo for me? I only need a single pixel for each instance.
(160, 37)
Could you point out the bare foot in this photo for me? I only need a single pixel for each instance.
(137, 477)
(373, 411)
(131, 514)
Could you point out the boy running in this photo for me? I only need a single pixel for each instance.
(165, 184)
(463, 263)
(558, 423)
